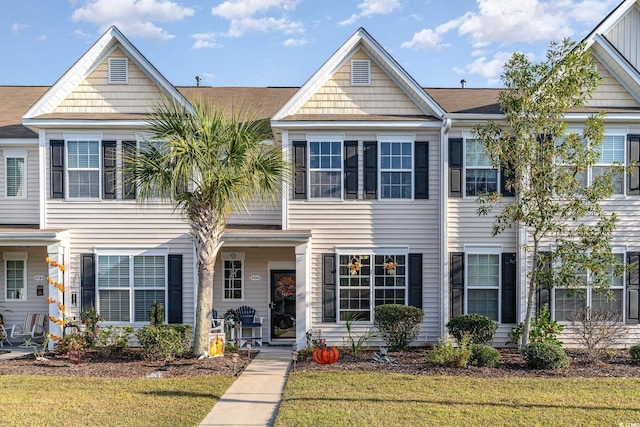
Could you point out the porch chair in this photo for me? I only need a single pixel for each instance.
(249, 320)
(217, 324)
(32, 328)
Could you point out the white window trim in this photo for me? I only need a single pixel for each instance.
(320, 137)
(483, 250)
(469, 137)
(233, 256)
(81, 138)
(622, 250)
(131, 253)
(372, 252)
(15, 256)
(15, 154)
(397, 138)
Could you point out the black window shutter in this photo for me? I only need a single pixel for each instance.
(544, 290)
(506, 174)
(300, 160)
(422, 170)
(634, 171)
(633, 288)
(351, 169)
(174, 313)
(57, 168)
(415, 280)
(108, 169)
(455, 167)
(328, 287)
(128, 177)
(508, 288)
(370, 169)
(457, 283)
(88, 281)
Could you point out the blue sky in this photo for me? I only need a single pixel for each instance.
(283, 42)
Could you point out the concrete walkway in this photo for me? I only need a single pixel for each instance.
(253, 399)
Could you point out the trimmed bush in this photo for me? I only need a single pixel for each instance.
(69, 341)
(634, 352)
(164, 342)
(539, 355)
(398, 324)
(483, 355)
(447, 354)
(480, 329)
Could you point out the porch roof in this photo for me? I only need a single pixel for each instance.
(21, 236)
(264, 237)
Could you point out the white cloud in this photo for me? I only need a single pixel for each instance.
(83, 35)
(508, 21)
(204, 40)
(372, 7)
(294, 42)
(133, 17)
(18, 27)
(242, 16)
(42, 37)
(488, 68)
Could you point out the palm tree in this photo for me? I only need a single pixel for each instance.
(209, 163)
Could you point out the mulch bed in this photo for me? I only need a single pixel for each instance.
(127, 364)
(414, 362)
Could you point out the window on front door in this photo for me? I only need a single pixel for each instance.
(232, 276)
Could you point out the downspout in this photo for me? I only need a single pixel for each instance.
(444, 220)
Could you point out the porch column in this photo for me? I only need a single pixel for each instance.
(56, 253)
(303, 293)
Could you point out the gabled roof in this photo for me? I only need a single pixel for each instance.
(611, 20)
(15, 101)
(361, 39)
(96, 54)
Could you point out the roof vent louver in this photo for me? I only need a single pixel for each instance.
(360, 72)
(118, 70)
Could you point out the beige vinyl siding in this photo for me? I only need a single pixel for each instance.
(96, 95)
(610, 93)
(14, 311)
(255, 292)
(21, 210)
(371, 223)
(338, 96)
(258, 213)
(625, 35)
(466, 227)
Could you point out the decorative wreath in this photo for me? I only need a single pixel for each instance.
(286, 286)
(354, 265)
(390, 265)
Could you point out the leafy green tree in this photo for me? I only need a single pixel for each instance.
(546, 167)
(209, 163)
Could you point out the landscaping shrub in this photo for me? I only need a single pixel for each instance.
(543, 329)
(447, 354)
(71, 341)
(480, 329)
(398, 324)
(156, 314)
(113, 338)
(598, 330)
(540, 355)
(634, 352)
(164, 342)
(483, 355)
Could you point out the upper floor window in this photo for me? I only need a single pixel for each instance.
(611, 152)
(480, 176)
(15, 173)
(83, 159)
(396, 163)
(325, 169)
(233, 276)
(15, 264)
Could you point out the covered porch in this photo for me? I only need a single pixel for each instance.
(268, 271)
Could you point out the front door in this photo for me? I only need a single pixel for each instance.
(283, 305)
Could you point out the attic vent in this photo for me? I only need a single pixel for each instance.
(118, 70)
(360, 72)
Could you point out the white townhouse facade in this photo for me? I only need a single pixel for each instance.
(381, 209)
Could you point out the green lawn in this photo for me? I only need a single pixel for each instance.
(373, 399)
(28, 400)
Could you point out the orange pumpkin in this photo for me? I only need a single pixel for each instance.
(324, 355)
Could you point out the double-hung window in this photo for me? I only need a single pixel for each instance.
(15, 173)
(128, 284)
(567, 302)
(483, 282)
(611, 152)
(396, 169)
(83, 168)
(480, 176)
(232, 276)
(15, 267)
(368, 279)
(325, 167)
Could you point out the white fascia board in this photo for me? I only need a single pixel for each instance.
(10, 238)
(88, 124)
(18, 141)
(475, 117)
(610, 21)
(409, 124)
(608, 117)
